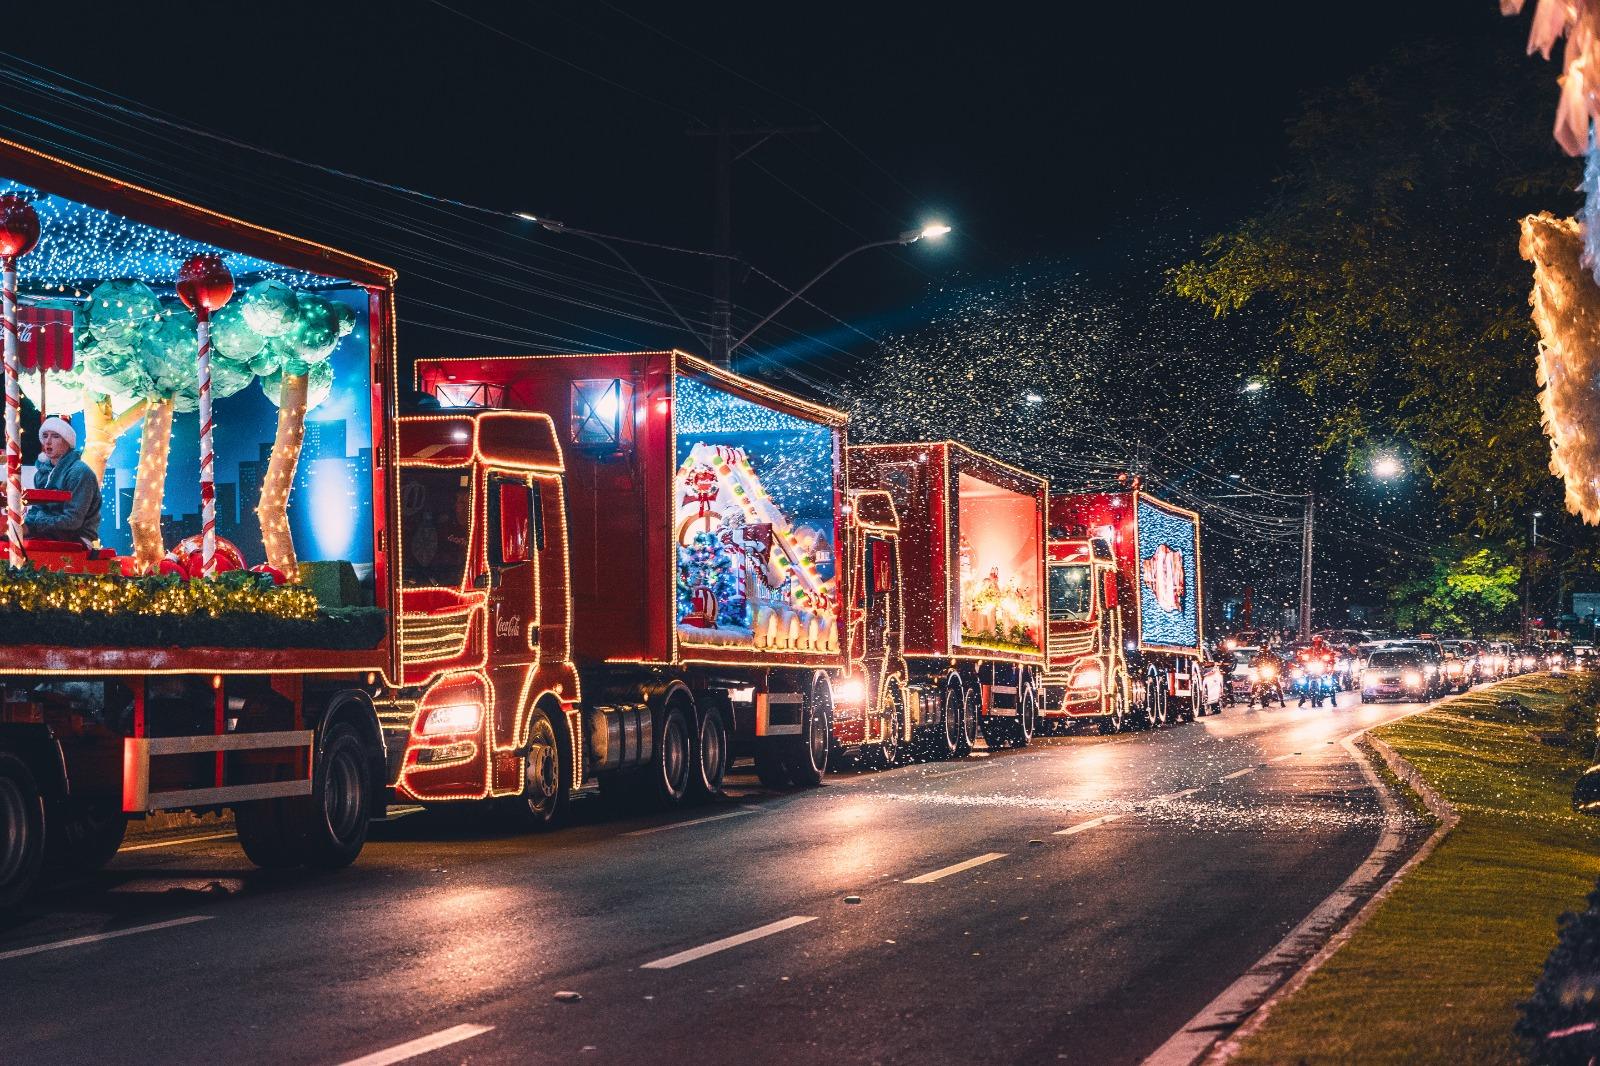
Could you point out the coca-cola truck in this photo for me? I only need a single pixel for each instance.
(1124, 612)
(729, 594)
(972, 542)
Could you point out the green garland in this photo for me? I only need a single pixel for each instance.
(237, 609)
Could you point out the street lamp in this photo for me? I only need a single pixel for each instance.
(910, 236)
(1386, 467)
(1034, 398)
(1536, 516)
(1252, 386)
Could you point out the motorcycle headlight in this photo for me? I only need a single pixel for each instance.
(1269, 672)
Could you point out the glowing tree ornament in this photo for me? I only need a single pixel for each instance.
(205, 286)
(19, 232)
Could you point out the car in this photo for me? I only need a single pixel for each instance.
(1585, 657)
(1432, 656)
(1395, 673)
(1457, 667)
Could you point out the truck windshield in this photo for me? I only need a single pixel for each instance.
(1070, 593)
(435, 526)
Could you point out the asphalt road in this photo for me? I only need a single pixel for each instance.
(1078, 901)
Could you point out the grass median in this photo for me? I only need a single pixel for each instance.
(1436, 975)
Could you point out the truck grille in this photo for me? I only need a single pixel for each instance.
(430, 637)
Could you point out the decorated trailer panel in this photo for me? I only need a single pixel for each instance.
(972, 536)
(706, 509)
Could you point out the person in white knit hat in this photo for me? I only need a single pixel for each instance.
(61, 467)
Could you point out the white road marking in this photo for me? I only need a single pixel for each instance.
(928, 878)
(726, 942)
(17, 953)
(1176, 795)
(692, 821)
(175, 843)
(420, 1046)
(1090, 824)
(1238, 773)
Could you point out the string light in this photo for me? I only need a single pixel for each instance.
(27, 589)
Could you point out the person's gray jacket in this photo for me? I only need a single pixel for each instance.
(78, 519)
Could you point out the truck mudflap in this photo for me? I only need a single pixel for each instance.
(780, 714)
(1181, 679)
(137, 798)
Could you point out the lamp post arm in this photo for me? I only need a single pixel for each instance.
(796, 294)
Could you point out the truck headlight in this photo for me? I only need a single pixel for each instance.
(453, 718)
(1087, 678)
(852, 690)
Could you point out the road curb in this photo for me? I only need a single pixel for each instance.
(1246, 1003)
(1440, 808)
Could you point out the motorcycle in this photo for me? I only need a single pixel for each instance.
(1266, 684)
(1314, 682)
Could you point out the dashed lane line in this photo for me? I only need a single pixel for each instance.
(1239, 773)
(727, 942)
(17, 953)
(1090, 824)
(935, 875)
(175, 843)
(692, 821)
(1177, 795)
(420, 1046)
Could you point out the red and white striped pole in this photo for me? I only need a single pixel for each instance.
(205, 285)
(8, 319)
(19, 232)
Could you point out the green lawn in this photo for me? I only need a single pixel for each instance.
(1436, 975)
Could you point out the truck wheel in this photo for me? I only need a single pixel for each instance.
(338, 811)
(969, 724)
(770, 770)
(887, 753)
(946, 741)
(1117, 720)
(669, 770)
(85, 836)
(266, 835)
(710, 754)
(1155, 706)
(1027, 721)
(807, 755)
(21, 830)
(546, 778)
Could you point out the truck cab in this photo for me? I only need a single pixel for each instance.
(486, 701)
(1087, 673)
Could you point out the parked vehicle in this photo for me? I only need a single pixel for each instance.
(1125, 631)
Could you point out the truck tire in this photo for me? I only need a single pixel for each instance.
(338, 812)
(1116, 721)
(969, 723)
(84, 836)
(1027, 720)
(710, 754)
(546, 778)
(770, 770)
(670, 770)
(22, 830)
(1155, 702)
(887, 753)
(945, 741)
(806, 756)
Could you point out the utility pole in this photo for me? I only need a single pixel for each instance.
(722, 268)
(1305, 569)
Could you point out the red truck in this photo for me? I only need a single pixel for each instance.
(1125, 641)
(729, 593)
(972, 575)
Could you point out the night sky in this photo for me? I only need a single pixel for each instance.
(1102, 141)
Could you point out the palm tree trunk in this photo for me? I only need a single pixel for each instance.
(155, 442)
(273, 510)
(102, 427)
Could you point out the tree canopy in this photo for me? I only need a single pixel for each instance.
(1388, 259)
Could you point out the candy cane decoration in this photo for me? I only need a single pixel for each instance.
(204, 285)
(19, 232)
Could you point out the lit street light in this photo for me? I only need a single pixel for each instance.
(1252, 386)
(1034, 397)
(910, 236)
(1386, 467)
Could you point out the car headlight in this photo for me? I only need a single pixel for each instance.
(1413, 679)
(1430, 669)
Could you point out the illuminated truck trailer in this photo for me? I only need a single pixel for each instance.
(1124, 611)
(716, 602)
(972, 574)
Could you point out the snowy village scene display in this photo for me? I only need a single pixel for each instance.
(999, 588)
(755, 524)
(222, 401)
